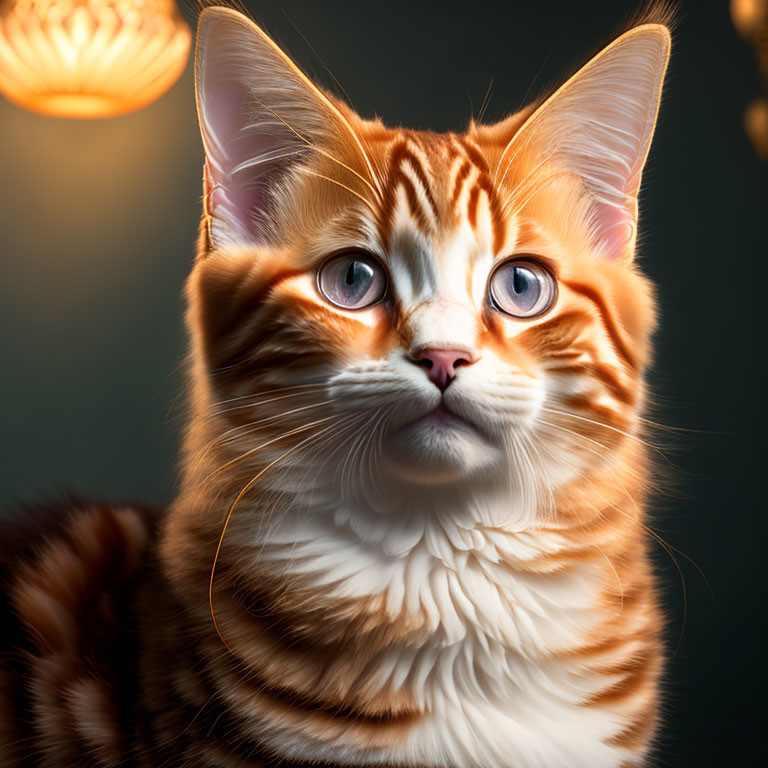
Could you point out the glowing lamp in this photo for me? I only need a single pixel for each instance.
(90, 58)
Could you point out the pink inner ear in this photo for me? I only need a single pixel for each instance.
(239, 161)
(258, 115)
(614, 229)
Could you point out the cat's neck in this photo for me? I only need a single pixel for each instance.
(331, 565)
(385, 624)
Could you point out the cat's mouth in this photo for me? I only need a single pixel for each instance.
(443, 416)
(438, 446)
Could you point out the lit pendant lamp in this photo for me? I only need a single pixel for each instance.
(90, 58)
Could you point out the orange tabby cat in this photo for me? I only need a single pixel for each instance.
(410, 527)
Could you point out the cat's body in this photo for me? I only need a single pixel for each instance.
(410, 529)
(132, 678)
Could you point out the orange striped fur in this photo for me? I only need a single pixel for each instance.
(363, 568)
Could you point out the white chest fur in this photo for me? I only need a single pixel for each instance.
(494, 676)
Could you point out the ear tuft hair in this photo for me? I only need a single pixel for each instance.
(598, 126)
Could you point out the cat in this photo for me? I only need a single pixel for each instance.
(410, 525)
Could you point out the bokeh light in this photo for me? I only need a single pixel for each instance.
(90, 58)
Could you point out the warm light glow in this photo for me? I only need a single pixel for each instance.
(90, 58)
(756, 126)
(749, 16)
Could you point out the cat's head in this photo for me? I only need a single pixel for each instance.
(407, 314)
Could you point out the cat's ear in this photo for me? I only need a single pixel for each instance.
(258, 115)
(599, 126)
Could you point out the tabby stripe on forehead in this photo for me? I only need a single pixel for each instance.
(472, 206)
(474, 154)
(610, 324)
(497, 220)
(398, 178)
(483, 183)
(458, 184)
(418, 169)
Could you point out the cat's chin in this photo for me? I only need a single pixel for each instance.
(438, 449)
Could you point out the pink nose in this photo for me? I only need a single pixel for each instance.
(441, 364)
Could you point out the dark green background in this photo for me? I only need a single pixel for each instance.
(97, 229)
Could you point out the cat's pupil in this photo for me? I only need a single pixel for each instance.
(525, 287)
(358, 278)
(519, 280)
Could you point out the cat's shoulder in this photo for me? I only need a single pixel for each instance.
(69, 573)
(62, 563)
(59, 560)
(62, 547)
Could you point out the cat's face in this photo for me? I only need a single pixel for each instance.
(417, 314)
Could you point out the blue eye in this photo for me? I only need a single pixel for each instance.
(522, 289)
(352, 281)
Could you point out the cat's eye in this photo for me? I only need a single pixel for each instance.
(352, 281)
(522, 288)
